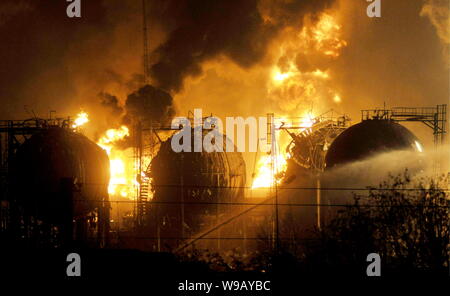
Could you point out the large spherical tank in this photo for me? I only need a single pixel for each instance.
(189, 185)
(368, 138)
(57, 174)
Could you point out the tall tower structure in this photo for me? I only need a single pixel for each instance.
(145, 41)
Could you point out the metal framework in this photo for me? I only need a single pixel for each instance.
(147, 140)
(146, 145)
(14, 132)
(145, 55)
(272, 141)
(325, 127)
(311, 138)
(433, 117)
(143, 152)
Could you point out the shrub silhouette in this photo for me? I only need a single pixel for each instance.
(405, 222)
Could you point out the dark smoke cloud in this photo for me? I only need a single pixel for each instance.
(111, 103)
(149, 104)
(203, 30)
(52, 62)
(146, 105)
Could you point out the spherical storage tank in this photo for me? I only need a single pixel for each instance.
(354, 146)
(58, 175)
(192, 185)
(368, 138)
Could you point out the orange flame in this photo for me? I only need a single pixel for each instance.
(122, 169)
(292, 87)
(270, 168)
(81, 119)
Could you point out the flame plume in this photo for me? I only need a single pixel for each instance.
(298, 79)
(81, 119)
(122, 181)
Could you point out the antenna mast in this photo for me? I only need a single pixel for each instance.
(145, 40)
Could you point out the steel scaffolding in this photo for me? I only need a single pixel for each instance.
(14, 132)
(310, 140)
(433, 117)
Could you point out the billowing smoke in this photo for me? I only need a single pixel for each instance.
(203, 30)
(111, 103)
(354, 177)
(371, 171)
(229, 47)
(438, 13)
(149, 104)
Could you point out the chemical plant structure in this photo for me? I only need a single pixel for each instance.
(314, 148)
(54, 182)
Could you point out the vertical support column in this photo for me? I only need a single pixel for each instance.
(439, 131)
(436, 135)
(145, 41)
(182, 198)
(137, 163)
(318, 201)
(218, 211)
(271, 140)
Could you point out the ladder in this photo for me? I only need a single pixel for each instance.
(144, 195)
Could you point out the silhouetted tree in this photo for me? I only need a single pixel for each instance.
(405, 222)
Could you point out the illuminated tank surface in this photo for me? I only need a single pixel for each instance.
(187, 186)
(45, 167)
(368, 138)
(356, 143)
